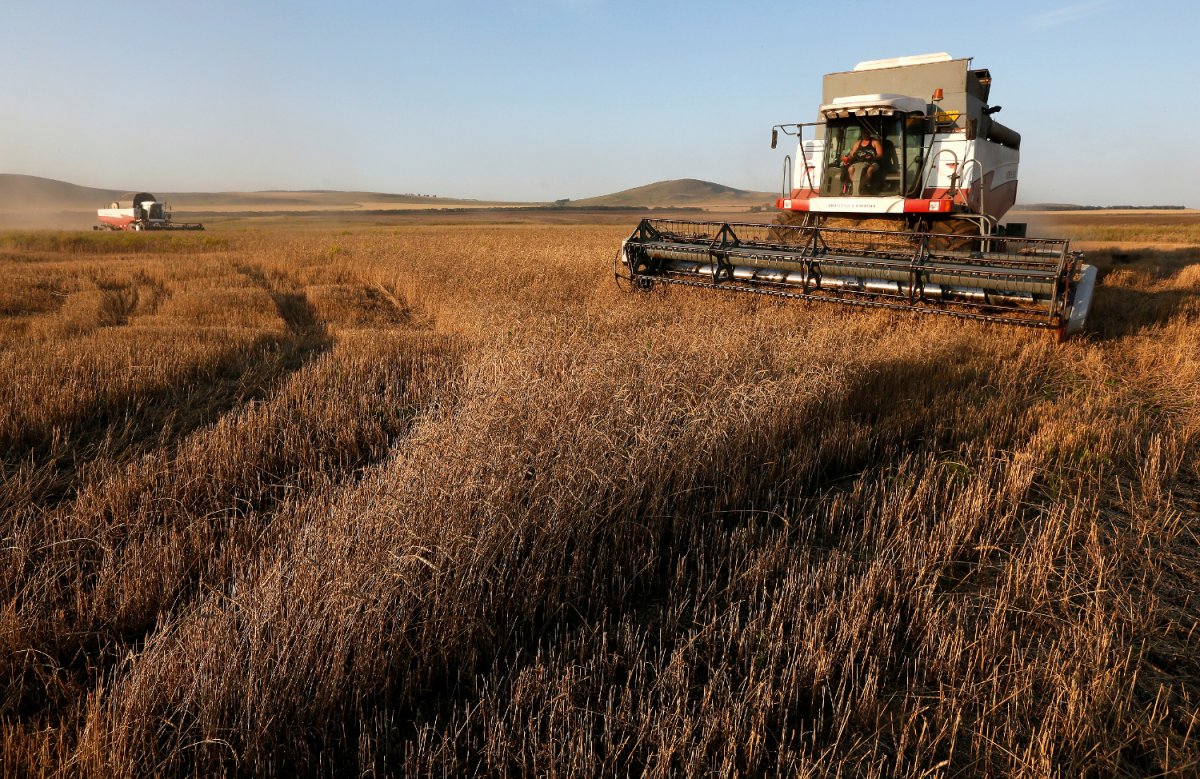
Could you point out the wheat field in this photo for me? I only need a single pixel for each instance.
(442, 500)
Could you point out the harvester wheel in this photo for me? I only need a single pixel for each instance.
(960, 235)
(790, 218)
(878, 239)
(793, 218)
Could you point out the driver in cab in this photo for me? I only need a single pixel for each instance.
(867, 153)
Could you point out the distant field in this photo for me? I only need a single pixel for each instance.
(366, 205)
(34, 202)
(1147, 228)
(30, 202)
(390, 496)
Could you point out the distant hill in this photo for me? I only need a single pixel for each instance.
(22, 193)
(287, 199)
(679, 192)
(31, 194)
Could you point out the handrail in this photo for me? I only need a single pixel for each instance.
(804, 156)
(982, 191)
(933, 168)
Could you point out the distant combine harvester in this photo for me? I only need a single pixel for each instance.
(140, 211)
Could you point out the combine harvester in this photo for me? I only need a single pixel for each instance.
(894, 203)
(140, 211)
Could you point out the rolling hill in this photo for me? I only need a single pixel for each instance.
(679, 192)
(21, 193)
(36, 201)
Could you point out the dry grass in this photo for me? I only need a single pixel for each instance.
(441, 500)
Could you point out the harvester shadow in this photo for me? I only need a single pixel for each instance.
(1120, 311)
(1154, 264)
(772, 489)
(293, 308)
(53, 459)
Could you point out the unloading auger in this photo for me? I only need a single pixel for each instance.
(894, 204)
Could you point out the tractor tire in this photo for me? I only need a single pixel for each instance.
(790, 218)
(889, 225)
(961, 235)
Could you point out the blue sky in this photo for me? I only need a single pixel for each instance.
(542, 99)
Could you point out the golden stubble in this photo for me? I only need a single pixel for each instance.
(440, 498)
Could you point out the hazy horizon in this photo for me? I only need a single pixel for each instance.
(537, 100)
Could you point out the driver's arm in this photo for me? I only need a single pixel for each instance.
(846, 160)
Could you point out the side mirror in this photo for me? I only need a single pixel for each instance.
(774, 137)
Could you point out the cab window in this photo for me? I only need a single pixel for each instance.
(842, 135)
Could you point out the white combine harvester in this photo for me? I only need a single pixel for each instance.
(140, 211)
(895, 202)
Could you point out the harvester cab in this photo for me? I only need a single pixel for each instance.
(894, 201)
(866, 156)
(938, 154)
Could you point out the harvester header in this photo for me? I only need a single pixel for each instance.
(894, 201)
